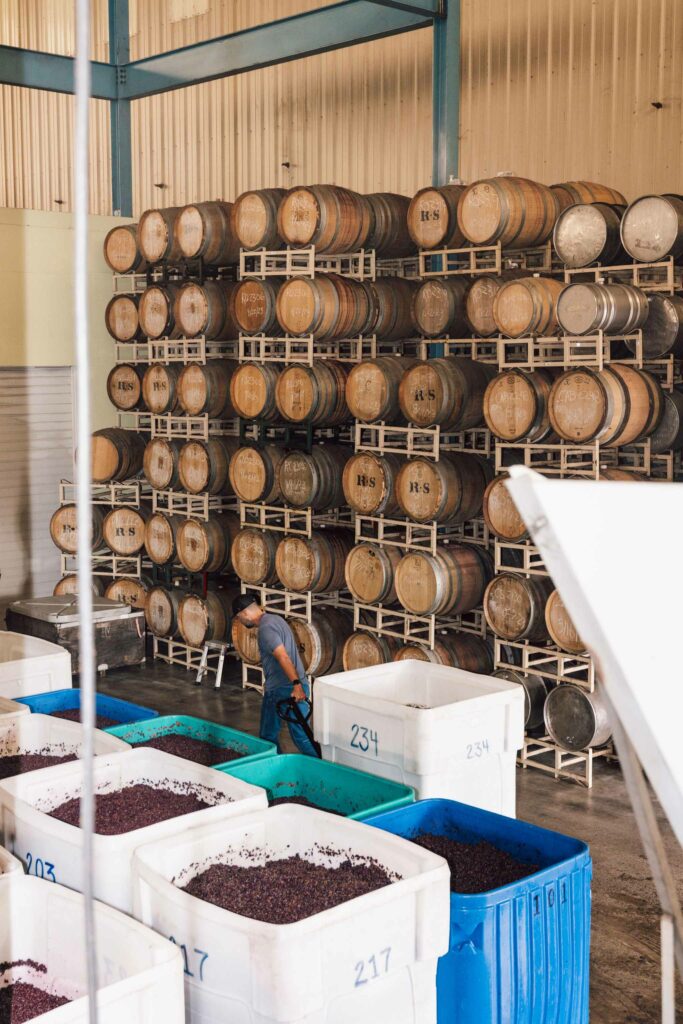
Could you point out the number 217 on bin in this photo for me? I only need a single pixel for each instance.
(364, 739)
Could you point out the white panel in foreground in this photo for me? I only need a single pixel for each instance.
(614, 553)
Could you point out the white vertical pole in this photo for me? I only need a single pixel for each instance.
(83, 470)
(668, 970)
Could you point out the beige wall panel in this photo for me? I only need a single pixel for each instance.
(36, 300)
(551, 89)
(563, 89)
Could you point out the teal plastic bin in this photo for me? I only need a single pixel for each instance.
(331, 787)
(251, 748)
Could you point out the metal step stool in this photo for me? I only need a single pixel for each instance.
(221, 647)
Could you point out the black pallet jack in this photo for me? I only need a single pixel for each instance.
(289, 711)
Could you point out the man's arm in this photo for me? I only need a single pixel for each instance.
(287, 666)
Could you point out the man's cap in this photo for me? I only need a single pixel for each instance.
(241, 602)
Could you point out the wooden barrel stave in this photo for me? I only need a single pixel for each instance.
(335, 220)
(313, 479)
(127, 590)
(205, 388)
(117, 454)
(156, 235)
(252, 391)
(514, 211)
(370, 571)
(122, 318)
(528, 305)
(391, 316)
(161, 610)
(254, 473)
(514, 606)
(207, 309)
(364, 649)
(123, 529)
(465, 651)
(516, 405)
(156, 311)
(160, 463)
(314, 564)
(389, 235)
(445, 391)
(245, 642)
(204, 546)
(320, 642)
(452, 580)
(433, 218)
(369, 483)
(204, 230)
(449, 490)
(69, 585)
(372, 389)
(255, 306)
(569, 193)
(160, 388)
(207, 618)
(254, 218)
(561, 629)
(121, 250)
(124, 386)
(64, 529)
(313, 394)
(253, 556)
(439, 308)
(203, 466)
(501, 515)
(161, 538)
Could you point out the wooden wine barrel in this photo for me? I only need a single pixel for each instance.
(369, 573)
(123, 529)
(589, 233)
(576, 719)
(369, 483)
(616, 405)
(161, 610)
(68, 585)
(117, 454)
(121, 251)
(450, 490)
(160, 388)
(203, 466)
(364, 650)
(127, 590)
(64, 528)
(313, 394)
(253, 555)
(314, 564)
(207, 309)
(205, 230)
(255, 306)
(514, 606)
(254, 473)
(205, 388)
(516, 405)
(124, 386)
(389, 235)
(500, 512)
(156, 311)
(156, 235)
(528, 305)
(121, 318)
(372, 389)
(160, 463)
(452, 580)
(327, 306)
(254, 218)
(202, 619)
(612, 308)
(568, 193)
(439, 308)
(535, 693)
(652, 228)
(448, 392)
(392, 308)
(669, 432)
(205, 546)
(516, 212)
(161, 533)
(560, 626)
(252, 391)
(320, 642)
(313, 479)
(456, 650)
(479, 300)
(245, 642)
(662, 332)
(433, 218)
(333, 219)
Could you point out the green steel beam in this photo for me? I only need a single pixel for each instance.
(119, 114)
(32, 69)
(432, 8)
(303, 35)
(446, 95)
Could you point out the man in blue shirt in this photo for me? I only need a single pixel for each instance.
(284, 675)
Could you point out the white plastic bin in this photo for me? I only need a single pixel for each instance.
(9, 864)
(30, 665)
(12, 708)
(52, 849)
(140, 974)
(459, 742)
(371, 960)
(43, 734)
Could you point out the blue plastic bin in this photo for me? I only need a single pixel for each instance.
(120, 711)
(518, 954)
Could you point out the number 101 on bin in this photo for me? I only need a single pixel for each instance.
(364, 739)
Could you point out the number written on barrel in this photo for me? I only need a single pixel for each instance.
(364, 739)
(478, 749)
(372, 968)
(40, 868)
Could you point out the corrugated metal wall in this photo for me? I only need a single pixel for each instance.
(551, 89)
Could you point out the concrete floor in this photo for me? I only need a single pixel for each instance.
(625, 975)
